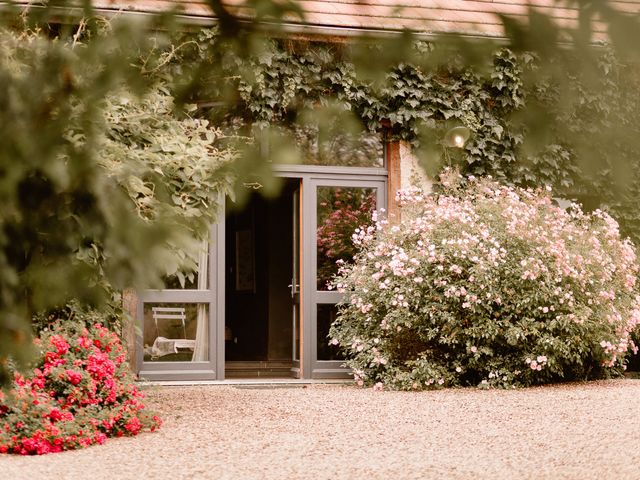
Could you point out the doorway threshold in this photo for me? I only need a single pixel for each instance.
(249, 382)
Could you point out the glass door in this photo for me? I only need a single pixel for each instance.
(262, 285)
(194, 328)
(334, 209)
(295, 283)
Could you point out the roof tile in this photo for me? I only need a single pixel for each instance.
(474, 17)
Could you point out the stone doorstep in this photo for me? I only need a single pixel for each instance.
(247, 382)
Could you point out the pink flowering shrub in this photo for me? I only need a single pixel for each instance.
(487, 285)
(79, 393)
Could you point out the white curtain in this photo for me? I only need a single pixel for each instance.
(201, 350)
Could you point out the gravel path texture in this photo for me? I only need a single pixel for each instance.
(575, 431)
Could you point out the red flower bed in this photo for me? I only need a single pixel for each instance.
(79, 394)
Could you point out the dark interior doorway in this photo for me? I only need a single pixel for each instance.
(258, 301)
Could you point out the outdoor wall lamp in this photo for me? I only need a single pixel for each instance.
(456, 137)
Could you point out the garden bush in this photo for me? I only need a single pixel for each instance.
(79, 393)
(489, 285)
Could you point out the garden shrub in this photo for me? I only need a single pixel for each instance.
(483, 284)
(79, 393)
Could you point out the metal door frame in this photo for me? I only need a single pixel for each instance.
(311, 177)
(313, 297)
(213, 296)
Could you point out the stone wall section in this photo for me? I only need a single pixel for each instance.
(130, 306)
(412, 174)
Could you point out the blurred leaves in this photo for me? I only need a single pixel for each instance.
(56, 200)
(103, 181)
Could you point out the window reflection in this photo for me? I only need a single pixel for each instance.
(328, 147)
(176, 332)
(364, 149)
(340, 211)
(326, 316)
(179, 281)
(193, 274)
(296, 332)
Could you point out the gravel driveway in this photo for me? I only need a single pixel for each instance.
(577, 431)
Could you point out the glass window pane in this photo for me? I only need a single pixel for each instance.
(340, 211)
(326, 316)
(195, 274)
(364, 149)
(187, 281)
(296, 332)
(334, 145)
(176, 332)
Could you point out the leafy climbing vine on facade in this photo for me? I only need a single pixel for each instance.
(565, 149)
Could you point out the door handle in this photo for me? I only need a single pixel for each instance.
(294, 289)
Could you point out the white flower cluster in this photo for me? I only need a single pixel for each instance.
(538, 363)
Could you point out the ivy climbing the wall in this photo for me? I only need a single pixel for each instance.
(566, 147)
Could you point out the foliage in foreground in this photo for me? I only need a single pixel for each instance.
(79, 393)
(113, 184)
(487, 285)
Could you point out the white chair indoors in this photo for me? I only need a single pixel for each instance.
(163, 345)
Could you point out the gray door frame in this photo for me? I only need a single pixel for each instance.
(214, 296)
(313, 177)
(314, 297)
